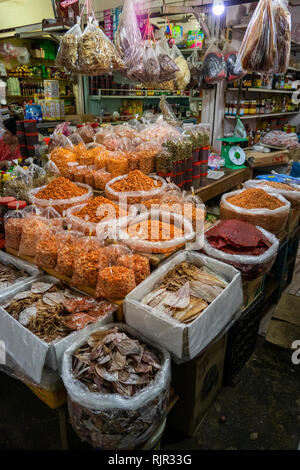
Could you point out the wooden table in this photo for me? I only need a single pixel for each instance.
(228, 182)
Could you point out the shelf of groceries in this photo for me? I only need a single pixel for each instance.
(255, 116)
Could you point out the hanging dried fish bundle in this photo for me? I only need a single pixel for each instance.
(117, 388)
(185, 292)
(51, 311)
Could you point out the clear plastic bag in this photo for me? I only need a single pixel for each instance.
(133, 197)
(195, 66)
(19, 185)
(46, 250)
(167, 112)
(65, 242)
(168, 67)
(75, 138)
(37, 173)
(272, 220)
(86, 133)
(13, 225)
(118, 422)
(128, 33)
(258, 49)
(282, 22)
(230, 54)
(67, 55)
(239, 129)
(96, 53)
(86, 265)
(136, 63)
(117, 164)
(183, 76)
(33, 229)
(281, 139)
(251, 267)
(101, 178)
(292, 195)
(157, 231)
(214, 66)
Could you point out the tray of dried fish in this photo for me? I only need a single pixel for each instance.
(118, 387)
(185, 303)
(14, 272)
(41, 318)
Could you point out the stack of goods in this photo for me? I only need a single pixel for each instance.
(134, 187)
(88, 53)
(117, 388)
(27, 134)
(281, 139)
(51, 311)
(252, 250)
(61, 194)
(185, 292)
(288, 191)
(259, 207)
(23, 179)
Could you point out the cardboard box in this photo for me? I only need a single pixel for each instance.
(251, 290)
(260, 159)
(284, 327)
(197, 383)
(27, 350)
(186, 341)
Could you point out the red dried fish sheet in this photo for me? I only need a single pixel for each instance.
(90, 307)
(237, 237)
(77, 321)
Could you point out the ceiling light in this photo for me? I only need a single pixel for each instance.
(218, 7)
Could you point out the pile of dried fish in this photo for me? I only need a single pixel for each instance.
(112, 362)
(118, 366)
(9, 274)
(50, 310)
(185, 292)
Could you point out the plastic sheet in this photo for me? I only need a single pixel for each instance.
(251, 267)
(258, 49)
(110, 421)
(273, 221)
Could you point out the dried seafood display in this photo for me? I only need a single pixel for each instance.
(117, 388)
(51, 311)
(185, 292)
(9, 274)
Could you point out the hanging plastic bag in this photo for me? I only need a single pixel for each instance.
(239, 130)
(214, 67)
(67, 55)
(128, 33)
(183, 75)
(168, 67)
(96, 53)
(282, 20)
(230, 56)
(152, 64)
(195, 66)
(258, 49)
(168, 114)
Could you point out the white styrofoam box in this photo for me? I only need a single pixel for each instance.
(20, 264)
(29, 351)
(186, 341)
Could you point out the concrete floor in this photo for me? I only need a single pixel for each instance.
(262, 412)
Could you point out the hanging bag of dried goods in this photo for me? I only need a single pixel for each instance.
(290, 192)
(282, 22)
(230, 54)
(113, 409)
(183, 75)
(252, 250)
(267, 210)
(128, 36)
(13, 224)
(61, 194)
(168, 67)
(86, 266)
(214, 66)
(195, 66)
(258, 49)
(96, 53)
(157, 231)
(134, 187)
(67, 55)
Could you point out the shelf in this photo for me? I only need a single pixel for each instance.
(293, 69)
(261, 90)
(256, 116)
(37, 78)
(95, 97)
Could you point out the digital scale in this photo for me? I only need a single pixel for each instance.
(232, 153)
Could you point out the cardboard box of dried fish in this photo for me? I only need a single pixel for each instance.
(186, 303)
(39, 319)
(14, 272)
(118, 387)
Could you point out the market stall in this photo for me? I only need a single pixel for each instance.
(136, 254)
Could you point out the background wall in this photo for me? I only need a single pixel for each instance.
(14, 13)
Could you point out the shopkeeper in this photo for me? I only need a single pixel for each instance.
(9, 145)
